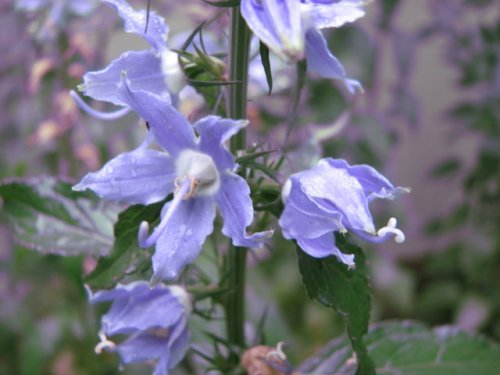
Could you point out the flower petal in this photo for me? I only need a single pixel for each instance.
(235, 204)
(320, 60)
(143, 70)
(143, 311)
(143, 347)
(336, 191)
(214, 131)
(181, 241)
(170, 128)
(135, 22)
(141, 176)
(374, 184)
(324, 246)
(332, 13)
(300, 213)
(277, 23)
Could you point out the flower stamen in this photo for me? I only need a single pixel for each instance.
(390, 229)
(104, 343)
(278, 352)
(194, 183)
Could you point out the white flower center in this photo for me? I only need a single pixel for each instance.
(200, 169)
(172, 71)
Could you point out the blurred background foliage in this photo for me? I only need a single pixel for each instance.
(429, 119)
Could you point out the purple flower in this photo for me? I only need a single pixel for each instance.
(334, 196)
(56, 13)
(198, 170)
(155, 70)
(291, 29)
(154, 319)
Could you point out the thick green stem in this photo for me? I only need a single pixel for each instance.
(236, 109)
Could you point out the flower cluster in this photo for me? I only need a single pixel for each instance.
(154, 319)
(291, 29)
(195, 168)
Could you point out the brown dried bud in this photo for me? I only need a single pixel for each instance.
(265, 360)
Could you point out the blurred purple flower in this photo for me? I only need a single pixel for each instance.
(57, 12)
(198, 170)
(334, 196)
(291, 29)
(155, 320)
(156, 70)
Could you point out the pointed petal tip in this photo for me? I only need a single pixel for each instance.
(79, 187)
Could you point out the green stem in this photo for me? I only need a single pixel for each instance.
(236, 109)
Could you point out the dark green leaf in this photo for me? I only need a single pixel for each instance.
(266, 64)
(47, 216)
(242, 160)
(345, 290)
(410, 348)
(446, 168)
(127, 257)
(223, 4)
(198, 83)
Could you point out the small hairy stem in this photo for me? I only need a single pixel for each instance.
(236, 109)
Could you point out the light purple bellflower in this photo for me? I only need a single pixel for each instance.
(291, 29)
(156, 69)
(334, 196)
(154, 319)
(198, 170)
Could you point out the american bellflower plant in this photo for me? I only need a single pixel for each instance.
(191, 171)
(154, 319)
(334, 196)
(198, 170)
(291, 29)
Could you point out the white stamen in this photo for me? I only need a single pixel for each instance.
(105, 343)
(143, 239)
(278, 352)
(399, 236)
(106, 116)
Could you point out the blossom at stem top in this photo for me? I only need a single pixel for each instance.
(291, 29)
(156, 69)
(155, 320)
(334, 196)
(199, 170)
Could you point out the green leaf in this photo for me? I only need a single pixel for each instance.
(127, 257)
(223, 4)
(411, 348)
(245, 159)
(266, 64)
(446, 168)
(47, 216)
(345, 290)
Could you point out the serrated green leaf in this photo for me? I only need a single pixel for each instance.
(345, 290)
(127, 257)
(47, 216)
(411, 348)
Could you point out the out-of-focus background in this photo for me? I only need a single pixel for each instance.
(429, 119)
